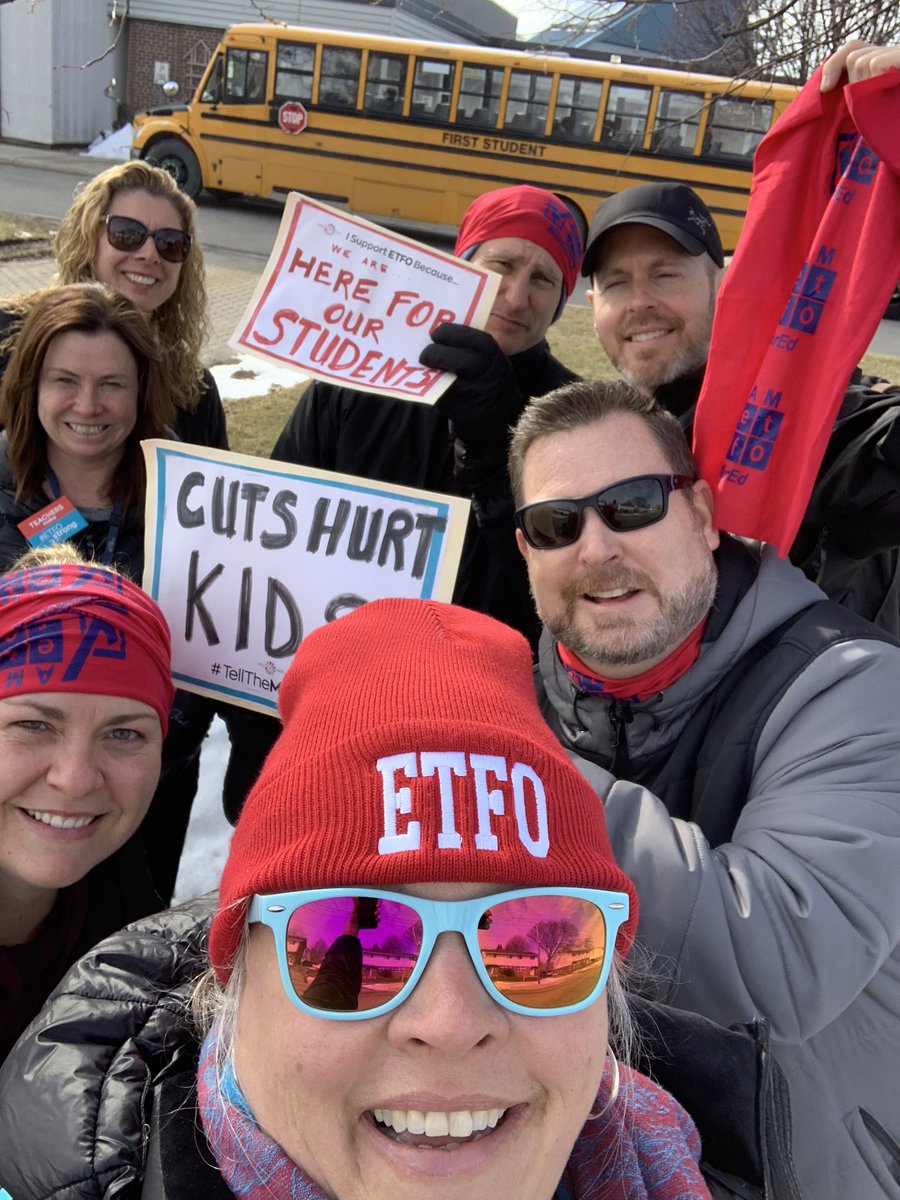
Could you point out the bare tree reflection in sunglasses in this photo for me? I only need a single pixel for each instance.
(628, 504)
(351, 953)
(128, 234)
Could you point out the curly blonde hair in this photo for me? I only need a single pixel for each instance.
(182, 321)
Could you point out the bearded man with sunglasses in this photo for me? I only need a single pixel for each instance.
(743, 732)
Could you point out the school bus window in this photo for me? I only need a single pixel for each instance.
(527, 102)
(385, 83)
(735, 127)
(245, 76)
(677, 118)
(212, 89)
(577, 101)
(626, 116)
(294, 63)
(432, 86)
(339, 79)
(479, 96)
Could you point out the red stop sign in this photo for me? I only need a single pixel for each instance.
(292, 117)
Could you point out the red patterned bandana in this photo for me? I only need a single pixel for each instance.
(79, 628)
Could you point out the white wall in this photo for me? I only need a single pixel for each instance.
(44, 95)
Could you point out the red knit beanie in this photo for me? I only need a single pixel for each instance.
(525, 212)
(413, 751)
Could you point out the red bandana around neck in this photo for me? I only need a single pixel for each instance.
(635, 687)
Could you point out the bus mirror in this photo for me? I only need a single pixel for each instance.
(170, 89)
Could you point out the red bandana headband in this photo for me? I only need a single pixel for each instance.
(530, 213)
(69, 627)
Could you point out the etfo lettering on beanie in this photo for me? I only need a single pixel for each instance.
(527, 792)
(413, 751)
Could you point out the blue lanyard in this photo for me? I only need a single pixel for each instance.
(115, 519)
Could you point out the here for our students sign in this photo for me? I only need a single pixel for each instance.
(247, 556)
(352, 304)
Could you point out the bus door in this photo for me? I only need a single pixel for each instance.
(234, 128)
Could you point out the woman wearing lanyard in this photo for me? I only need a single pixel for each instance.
(83, 387)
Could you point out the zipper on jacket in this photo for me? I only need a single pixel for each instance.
(619, 715)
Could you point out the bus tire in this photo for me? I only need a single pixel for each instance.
(172, 155)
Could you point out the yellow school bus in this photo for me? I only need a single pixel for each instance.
(414, 131)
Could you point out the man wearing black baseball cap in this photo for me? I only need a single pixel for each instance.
(655, 259)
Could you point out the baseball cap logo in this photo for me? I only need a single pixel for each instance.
(495, 788)
(703, 223)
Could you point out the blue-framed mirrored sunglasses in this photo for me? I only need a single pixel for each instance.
(352, 953)
(629, 504)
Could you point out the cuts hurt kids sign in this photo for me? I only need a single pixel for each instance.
(350, 303)
(246, 556)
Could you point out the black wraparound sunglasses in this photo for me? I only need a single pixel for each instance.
(125, 233)
(629, 504)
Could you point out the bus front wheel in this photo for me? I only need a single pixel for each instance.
(180, 162)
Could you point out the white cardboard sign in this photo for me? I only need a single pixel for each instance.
(353, 304)
(246, 556)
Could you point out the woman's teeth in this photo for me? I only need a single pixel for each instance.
(461, 1124)
(59, 822)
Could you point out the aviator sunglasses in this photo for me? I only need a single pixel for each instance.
(352, 953)
(629, 504)
(125, 233)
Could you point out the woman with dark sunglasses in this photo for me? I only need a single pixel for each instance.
(413, 985)
(131, 228)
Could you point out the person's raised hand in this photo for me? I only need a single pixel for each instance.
(484, 399)
(860, 60)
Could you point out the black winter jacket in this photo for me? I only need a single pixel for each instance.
(398, 441)
(99, 1097)
(118, 891)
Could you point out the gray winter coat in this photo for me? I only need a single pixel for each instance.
(794, 917)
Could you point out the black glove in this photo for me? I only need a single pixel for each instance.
(485, 399)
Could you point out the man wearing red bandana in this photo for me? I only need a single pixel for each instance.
(532, 240)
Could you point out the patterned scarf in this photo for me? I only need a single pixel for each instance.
(644, 1148)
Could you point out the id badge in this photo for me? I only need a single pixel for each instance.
(56, 522)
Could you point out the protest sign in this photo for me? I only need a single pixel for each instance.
(348, 302)
(247, 556)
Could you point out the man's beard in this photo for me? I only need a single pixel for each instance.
(689, 359)
(617, 641)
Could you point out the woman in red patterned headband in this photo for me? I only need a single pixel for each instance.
(85, 689)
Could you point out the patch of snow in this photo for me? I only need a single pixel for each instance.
(247, 375)
(209, 834)
(115, 144)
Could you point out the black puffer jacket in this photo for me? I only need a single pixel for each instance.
(99, 1099)
(398, 441)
